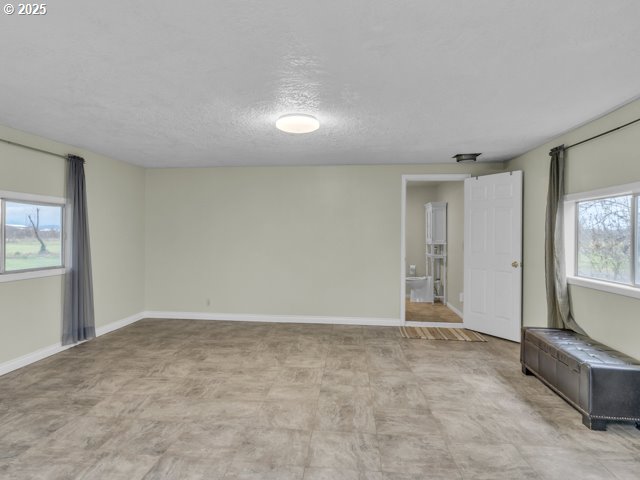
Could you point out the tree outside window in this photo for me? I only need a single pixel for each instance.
(605, 236)
(32, 236)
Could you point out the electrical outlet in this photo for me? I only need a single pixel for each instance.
(461, 297)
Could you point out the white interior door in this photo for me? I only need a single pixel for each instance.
(493, 254)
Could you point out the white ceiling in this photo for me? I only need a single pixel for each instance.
(202, 82)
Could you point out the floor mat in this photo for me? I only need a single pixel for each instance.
(441, 333)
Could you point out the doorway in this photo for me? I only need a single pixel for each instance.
(432, 269)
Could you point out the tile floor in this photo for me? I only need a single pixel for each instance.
(429, 312)
(215, 400)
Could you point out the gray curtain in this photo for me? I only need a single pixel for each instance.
(78, 321)
(558, 301)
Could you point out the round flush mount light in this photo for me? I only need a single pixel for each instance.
(297, 123)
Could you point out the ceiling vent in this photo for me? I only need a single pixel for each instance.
(466, 157)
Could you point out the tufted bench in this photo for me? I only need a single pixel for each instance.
(600, 382)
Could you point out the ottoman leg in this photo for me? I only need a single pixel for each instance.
(525, 370)
(594, 423)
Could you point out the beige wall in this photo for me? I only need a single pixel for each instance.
(453, 194)
(610, 160)
(284, 240)
(417, 196)
(30, 310)
(278, 240)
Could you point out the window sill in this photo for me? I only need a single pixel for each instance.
(626, 290)
(14, 277)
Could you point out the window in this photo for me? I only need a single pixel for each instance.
(602, 230)
(637, 246)
(604, 239)
(32, 236)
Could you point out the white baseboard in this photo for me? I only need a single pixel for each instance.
(241, 317)
(455, 310)
(45, 352)
(32, 357)
(110, 327)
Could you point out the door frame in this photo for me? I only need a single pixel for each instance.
(429, 177)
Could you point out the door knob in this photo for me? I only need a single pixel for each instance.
(515, 264)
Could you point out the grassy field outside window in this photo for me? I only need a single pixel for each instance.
(32, 236)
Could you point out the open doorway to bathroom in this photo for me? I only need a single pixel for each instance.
(432, 238)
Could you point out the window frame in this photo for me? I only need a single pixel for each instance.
(45, 200)
(571, 239)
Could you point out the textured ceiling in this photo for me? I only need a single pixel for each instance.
(202, 82)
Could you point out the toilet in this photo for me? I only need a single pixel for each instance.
(420, 289)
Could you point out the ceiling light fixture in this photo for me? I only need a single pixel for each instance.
(297, 123)
(466, 157)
